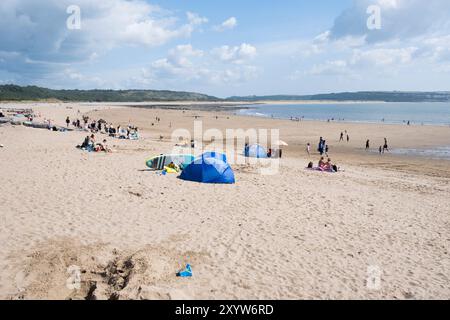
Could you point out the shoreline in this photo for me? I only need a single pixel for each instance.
(345, 121)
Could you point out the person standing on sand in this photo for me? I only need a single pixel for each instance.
(67, 121)
(367, 144)
(380, 149)
(342, 137)
(308, 148)
(348, 138)
(385, 147)
(321, 146)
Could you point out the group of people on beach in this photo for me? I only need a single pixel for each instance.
(381, 149)
(101, 126)
(341, 138)
(326, 166)
(384, 148)
(323, 165)
(322, 147)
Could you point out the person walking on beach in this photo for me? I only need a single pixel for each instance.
(67, 121)
(308, 148)
(385, 147)
(367, 144)
(348, 138)
(342, 137)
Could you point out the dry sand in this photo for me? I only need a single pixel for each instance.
(295, 235)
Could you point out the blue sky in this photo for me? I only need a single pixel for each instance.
(227, 47)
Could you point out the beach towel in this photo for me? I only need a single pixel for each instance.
(170, 170)
(321, 170)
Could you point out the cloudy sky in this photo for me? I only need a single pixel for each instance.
(227, 47)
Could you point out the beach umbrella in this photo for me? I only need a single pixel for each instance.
(281, 143)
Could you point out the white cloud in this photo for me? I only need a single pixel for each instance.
(336, 67)
(195, 19)
(228, 24)
(236, 54)
(36, 31)
(400, 19)
(186, 64)
(383, 57)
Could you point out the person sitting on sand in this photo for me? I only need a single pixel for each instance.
(325, 165)
(333, 167)
(329, 166)
(321, 162)
(103, 147)
(173, 166)
(86, 142)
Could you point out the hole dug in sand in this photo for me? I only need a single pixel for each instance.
(105, 273)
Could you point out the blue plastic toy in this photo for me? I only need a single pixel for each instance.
(187, 272)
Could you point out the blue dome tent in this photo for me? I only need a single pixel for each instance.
(255, 151)
(211, 167)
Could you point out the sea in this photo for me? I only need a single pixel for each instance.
(423, 113)
(427, 113)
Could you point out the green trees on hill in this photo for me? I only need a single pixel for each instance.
(17, 93)
(388, 96)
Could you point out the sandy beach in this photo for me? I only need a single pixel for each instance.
(297, 234)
